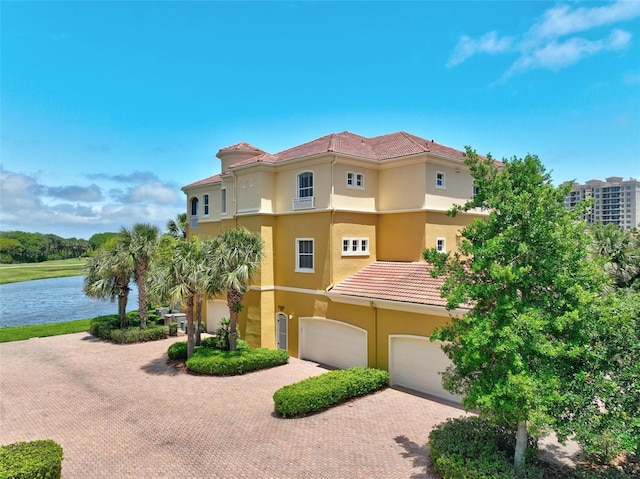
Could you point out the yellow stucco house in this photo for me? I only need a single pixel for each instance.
(344, 219)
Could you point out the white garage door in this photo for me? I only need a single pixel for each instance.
(216, 309)
(415, 363)
(333, 343)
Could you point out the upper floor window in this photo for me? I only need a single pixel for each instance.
(440, 180)
(355, 246)
(476, 189)
(205, 200)
(441, 245)
(305, 184)
(355, 180)
(223, 203)
(304, 199)
(304, 255)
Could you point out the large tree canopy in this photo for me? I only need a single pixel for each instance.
(528, 276)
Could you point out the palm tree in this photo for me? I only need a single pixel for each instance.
(178, 227)
(237, 262)
(620, 252)
(108, 274)
(141, 242)
(183, 274)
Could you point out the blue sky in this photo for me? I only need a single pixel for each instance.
(108, 108)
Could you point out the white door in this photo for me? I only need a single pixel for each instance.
(216, 309)
(333, 343)
(281, 330)
(416, 363)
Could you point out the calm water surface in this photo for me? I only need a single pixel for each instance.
(51, 301)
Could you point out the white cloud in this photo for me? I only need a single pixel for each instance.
(27, 204)
(550, 43)
(488, 43)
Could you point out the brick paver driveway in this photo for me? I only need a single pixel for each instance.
(122, 412)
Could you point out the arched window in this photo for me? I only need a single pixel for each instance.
(194, 206)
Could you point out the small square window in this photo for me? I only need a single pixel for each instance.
(440, 180)
(441, 245)
(360, 180)
(355, 246)
(355, 180)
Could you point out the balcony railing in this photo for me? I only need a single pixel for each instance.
(193, 221)
(306, 203)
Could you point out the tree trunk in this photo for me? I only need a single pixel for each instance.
(141, 274)
(521, 444)
(234, 301)
(190, 332)
(198, 319)
(123, 296)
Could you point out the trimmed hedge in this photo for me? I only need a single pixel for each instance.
(31, 460)
(108, 328)
(329, 389)
(231, 363)
(473, 448)
(179, 350)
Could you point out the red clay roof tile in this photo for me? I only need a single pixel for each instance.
(207, 181)
(407, 282)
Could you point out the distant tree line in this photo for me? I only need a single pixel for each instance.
(22, 247)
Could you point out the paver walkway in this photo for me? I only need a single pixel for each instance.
(119, 411)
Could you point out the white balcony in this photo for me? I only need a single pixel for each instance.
(193, 221)
(306, 203)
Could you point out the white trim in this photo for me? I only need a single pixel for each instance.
(299, 269)
(396, 305)
(315, 292)
(206, 205)
(286, 318)
(443, 186)
(224, 200)
(444, 245)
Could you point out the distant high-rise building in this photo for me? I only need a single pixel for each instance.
(616, 201)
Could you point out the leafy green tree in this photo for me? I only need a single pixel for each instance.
(99, 239)
(178, 226)
(108, 275)
(237, 261)
(620, 251)
(183, 273)
(526, 276)
(141, 241)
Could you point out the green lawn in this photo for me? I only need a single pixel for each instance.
(20, 333)
(12, 273)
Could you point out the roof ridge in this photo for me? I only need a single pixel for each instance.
(411, 138)
(332, 143)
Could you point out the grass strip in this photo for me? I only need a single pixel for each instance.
(20, 333)
(13, 273)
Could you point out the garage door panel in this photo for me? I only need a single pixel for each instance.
(333, 343)
(416, 363)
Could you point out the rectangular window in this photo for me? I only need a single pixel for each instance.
(305, 185)
(441, 245)
(355, 246)
(355, 180)
(304, 255)
(206, 205)
(224, 201)
(440, 180)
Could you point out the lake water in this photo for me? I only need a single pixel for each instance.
(53, 300)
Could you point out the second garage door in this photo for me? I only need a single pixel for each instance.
(415, 363)
(333, 343)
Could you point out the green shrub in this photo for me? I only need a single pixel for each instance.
(230, 363)
(31, 460)
(137, 335)
(473, 448)
(178, 350)
(102, 326)
(211, 342)
(173, 329)
(320, 392)
(220, 340)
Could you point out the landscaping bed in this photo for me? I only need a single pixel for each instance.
(317, 393)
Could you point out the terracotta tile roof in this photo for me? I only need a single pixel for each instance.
(378, 148)
(408, 282)
(242, 146)
(207, 181)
